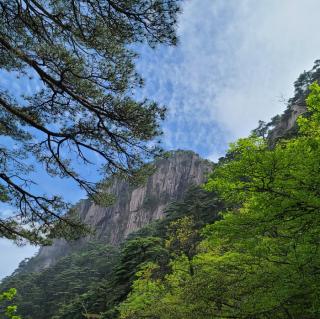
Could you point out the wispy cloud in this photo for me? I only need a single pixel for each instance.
(235, 63)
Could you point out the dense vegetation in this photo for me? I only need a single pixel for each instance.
(6, 307)
(262, 259)
(97, 278)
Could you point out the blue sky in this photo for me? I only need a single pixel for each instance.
(235, 65)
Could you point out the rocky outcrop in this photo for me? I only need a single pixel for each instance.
(286, 126)
(134, 207)
(287, 122)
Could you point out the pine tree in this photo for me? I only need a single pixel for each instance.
(81, 53)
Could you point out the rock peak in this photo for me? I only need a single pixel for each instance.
(134, 207)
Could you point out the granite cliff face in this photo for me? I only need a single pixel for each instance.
(287, 122)
(286, 125)
(134, 207)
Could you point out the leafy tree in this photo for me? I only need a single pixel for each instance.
(134, 255)
(266, 246)
(156, 298)
(6, 309)
(183, 239)
(81, 53)
(262, 259)
(147, 294)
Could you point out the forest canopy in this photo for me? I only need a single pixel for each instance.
(262, 259)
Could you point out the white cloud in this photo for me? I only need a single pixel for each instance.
(270, 43)
(235, 61)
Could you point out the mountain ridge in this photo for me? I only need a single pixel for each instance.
(134, 207)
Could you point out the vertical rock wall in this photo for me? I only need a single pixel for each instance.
(135, 207)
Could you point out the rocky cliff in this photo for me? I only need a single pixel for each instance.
(134, 207)
(285, 124)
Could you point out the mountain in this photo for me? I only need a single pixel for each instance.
(284, 125)
(134, 207)
(69, 280)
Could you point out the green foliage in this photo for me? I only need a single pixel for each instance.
(106, 293)
(83, 112)
(182, 237)
(43, 293)
(147, 292)
(262, 259)
(95, 280)
(8, 310)
(302, 84)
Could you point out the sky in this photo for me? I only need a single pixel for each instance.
(235, 64)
